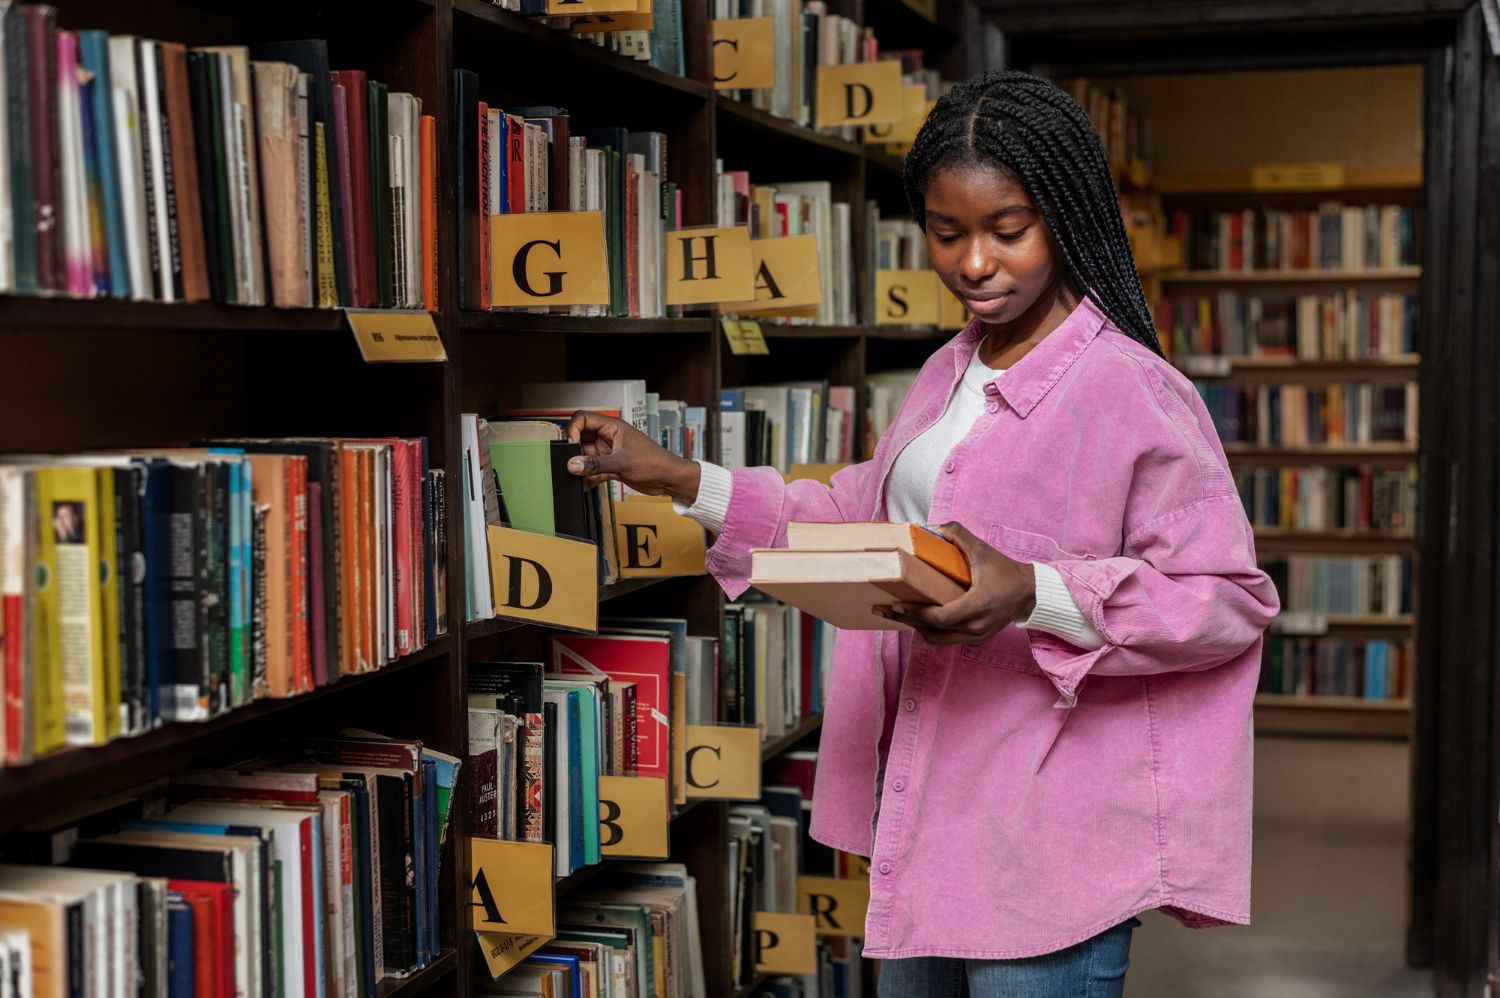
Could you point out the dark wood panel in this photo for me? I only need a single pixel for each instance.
(497, 322)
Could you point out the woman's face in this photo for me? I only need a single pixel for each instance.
(988, 243)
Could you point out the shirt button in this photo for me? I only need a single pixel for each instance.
(911, 705)
(885, 868)
(898, 786)
(949, 467)
(994, 407)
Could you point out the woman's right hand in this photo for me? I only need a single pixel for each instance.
(613, 450)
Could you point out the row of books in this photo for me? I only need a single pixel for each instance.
(808, 422)
(1321, 498)
(1374, 668)
(633, 931)
(1334, 237)
(1349, 325)
(900, 244)
(529, 159)
(796, 209)
(149, 586)
(1122, 129)
(1313, 415)
(773, 665)
(804, 36)
(305, 869)
(1375, 585)
(884, 393)
(660, 44)
(145, 170)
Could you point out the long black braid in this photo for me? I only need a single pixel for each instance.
(1028, 128)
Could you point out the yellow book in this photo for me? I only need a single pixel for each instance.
(109, 601)
(68, 519)
(328, 291)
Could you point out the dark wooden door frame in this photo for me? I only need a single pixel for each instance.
(1455, 896)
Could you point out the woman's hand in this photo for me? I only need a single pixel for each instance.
(1004, 592)
(616, 451)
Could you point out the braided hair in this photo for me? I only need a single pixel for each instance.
(1035, 133)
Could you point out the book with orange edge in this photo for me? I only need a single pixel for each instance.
(914, 539)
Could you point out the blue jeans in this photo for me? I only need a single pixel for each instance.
(1095, 968)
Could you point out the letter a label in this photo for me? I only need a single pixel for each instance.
(549, 258)
(709, 265)
(861, 93)
(786, 277)
(511, 886)
(543, 579)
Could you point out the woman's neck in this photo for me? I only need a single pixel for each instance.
(1005, 343)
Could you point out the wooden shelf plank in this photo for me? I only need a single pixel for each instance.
(72, 762)
(495, 322)
(1328, 702)
(1207, 366)
(894, 167)
(1276, 715)
(1286, 276)
(109, 314)
(771, 748)
(1238, 181)
(1236, 449)
(476, 629)
(565, 56)
(738, 116)
(445, 964)
(1291, 533)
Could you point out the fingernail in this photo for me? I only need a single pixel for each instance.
(898, 607)
(575, 465)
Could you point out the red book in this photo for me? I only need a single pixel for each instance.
(486, 197)
(211, 784)
(213, 936)
(632, 241)
(315, 574)
(362, 280)
(645, 661)
(301, 615)
(429, 213)
(401, 506)
(515, 166)
(416, 505)
(792, 769)
(1236, 241)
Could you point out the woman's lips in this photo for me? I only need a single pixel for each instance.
(987, 303)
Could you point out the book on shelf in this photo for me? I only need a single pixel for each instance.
(1351, 414)
(528, 159)
(150, 171)
(884, 393)
(796, 209)
(809, 422)
(1360, 585)
(1348, 325)
(1321, 498)
(1335, 236)
(1372, 668)
(177, 584)
(773, 664)
(303, 868)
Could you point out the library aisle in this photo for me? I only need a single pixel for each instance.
(1328, 886)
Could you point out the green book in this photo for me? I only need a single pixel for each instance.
(380, 186)
(589, 709)
(225, 214)
(524, 471)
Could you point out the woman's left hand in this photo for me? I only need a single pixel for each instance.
(1003, 592)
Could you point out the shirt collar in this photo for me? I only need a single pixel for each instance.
(1030, 378)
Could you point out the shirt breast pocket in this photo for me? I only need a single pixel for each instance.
(1011, 648)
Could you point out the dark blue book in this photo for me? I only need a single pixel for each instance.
(18, 133)
(575, 776)
(93, 53)
(430, 818)
(364, 849)
(179, 946)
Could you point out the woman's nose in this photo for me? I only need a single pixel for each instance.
(978, 262)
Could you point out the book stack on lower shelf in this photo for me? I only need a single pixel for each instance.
(304, 868)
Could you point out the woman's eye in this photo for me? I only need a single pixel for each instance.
(946, 238)
(1011, 237)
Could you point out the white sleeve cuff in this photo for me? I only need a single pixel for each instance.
(1056, 611)
(712, 505)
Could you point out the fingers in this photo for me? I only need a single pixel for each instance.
(931, 635)
(599, 466)
(585, 423)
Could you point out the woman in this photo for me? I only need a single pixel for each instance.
(1068, 744)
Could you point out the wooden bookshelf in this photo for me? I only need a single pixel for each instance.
(1348, 717)
(1290, 276)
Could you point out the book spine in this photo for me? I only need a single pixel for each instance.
(486, 206)
(317, 585)
(18, 150)
(258, 606)
(429, 214)
(41, 37)
(533, 787)
(328, 293)
(301, 659)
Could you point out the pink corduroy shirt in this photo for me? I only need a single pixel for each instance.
(1019, 797)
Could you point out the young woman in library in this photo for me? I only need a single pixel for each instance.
(1067, 744)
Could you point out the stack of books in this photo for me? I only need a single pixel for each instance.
(307, 868)
(149, 586)
(773, 665)
(841, 572)
(146, 170)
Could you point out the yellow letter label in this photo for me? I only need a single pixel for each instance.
(654, 541)
(786, 275)
(511, 886)
(709, 265)
(549, 258)
(543, 579)
(785, 944)
(742, 54)
(861, 93)
(503, 950)
(723, 762)
(395, 336)
(906, 298)
(633, 816)
(838, 905)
